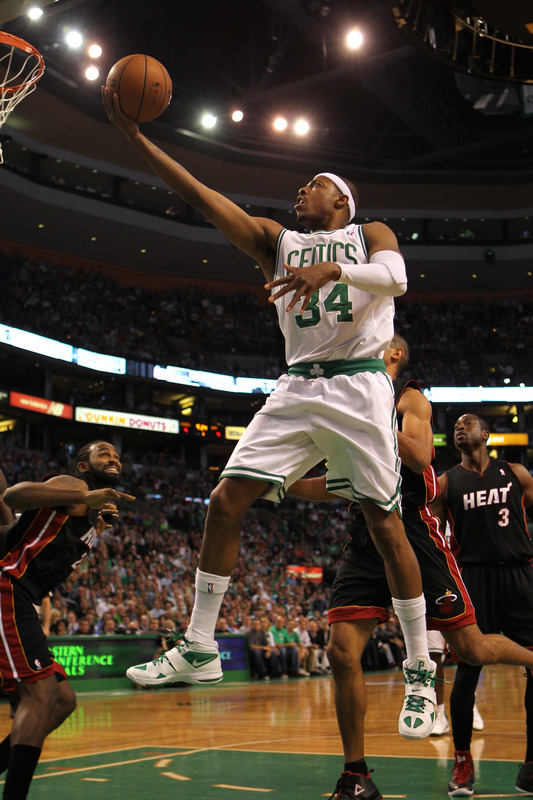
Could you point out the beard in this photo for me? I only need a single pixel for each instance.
(102, 479)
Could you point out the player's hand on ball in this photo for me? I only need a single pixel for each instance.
(111, 104)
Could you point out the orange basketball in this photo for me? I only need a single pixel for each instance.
(143, 86)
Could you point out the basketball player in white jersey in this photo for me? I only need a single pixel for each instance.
(336, 401)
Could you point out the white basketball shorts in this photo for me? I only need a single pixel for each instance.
(348, 419)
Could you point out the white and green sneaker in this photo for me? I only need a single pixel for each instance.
(417, 717)
(187, 662)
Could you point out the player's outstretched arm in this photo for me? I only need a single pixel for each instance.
(255, 236)
(60, 491)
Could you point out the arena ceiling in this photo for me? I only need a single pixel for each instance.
(387, 106)
(395, 109)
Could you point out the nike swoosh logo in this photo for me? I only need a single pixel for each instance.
(202, 661)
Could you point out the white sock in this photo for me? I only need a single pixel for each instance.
(412, 616)
(440, 708)
(210, 591)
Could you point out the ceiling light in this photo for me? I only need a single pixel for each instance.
(209, 120)
(34, 12)
(280, 124)
(301, 127)
(354, 40)
(74, 39)
(92, 73)
(95, 51)
(237, 116)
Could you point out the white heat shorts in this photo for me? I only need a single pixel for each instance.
(348, 419)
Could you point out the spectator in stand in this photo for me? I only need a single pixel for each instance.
(246, 624)
(303, 652)
(109, 628)
(287, 649)
(84, 628)
(308, 651)
(318, 641)
(320, 604)
(259, 651)
(72, 622)
(231, 625)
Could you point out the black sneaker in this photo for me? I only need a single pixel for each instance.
(524, 781)
(353, 785)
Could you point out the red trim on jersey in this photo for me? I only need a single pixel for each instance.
(352, 613)
(14, 665)
(41, 531)
(432, 484)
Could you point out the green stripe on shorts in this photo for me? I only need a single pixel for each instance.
(390, 505)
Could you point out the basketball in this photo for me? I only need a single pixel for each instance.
(143, 86)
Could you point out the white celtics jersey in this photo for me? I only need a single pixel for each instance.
(340, 322)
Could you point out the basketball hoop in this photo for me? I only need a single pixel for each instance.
(17, 78)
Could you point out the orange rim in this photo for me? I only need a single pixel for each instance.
(15, 41)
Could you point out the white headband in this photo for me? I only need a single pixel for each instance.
(343, 186)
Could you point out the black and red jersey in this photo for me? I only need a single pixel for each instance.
(487, 515)
(42, 548)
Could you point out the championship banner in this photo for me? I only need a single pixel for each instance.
(125, 419)
(40, 405)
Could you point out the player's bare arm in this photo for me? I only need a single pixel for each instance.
(61, 491)
(526, 482)
(255, 236)
(415, 440)
(379, 236)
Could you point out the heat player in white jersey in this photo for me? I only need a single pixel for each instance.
(336, 400)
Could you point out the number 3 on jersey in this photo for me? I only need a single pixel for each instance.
(503, 514)
(336, 302)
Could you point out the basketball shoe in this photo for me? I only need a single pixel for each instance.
(352, 785)
(477, 722)
(462, 782)
(524, 781)
(441, 725)
(187, 662)
(417, 716)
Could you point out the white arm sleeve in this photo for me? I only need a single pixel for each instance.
(384, 274)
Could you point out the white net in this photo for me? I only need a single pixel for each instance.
(21, 66)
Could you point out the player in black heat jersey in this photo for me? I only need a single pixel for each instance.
(486, 502)
(55, 531)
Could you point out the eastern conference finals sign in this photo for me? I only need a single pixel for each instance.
(110, 656)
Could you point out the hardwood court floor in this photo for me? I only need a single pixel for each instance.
(279, 738)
